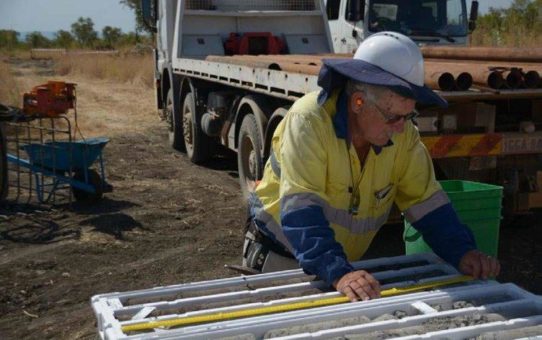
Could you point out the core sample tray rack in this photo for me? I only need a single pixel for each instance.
(278, 305)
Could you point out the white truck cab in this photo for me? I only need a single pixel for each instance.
(427, 22)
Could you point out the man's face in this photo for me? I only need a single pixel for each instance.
(377, 122)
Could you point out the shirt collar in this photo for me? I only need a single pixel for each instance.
(340, 121)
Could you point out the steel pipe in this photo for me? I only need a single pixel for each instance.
(286, 59)
(241, 61)
(481, 74)
(525, 66)
(530, 71)
(514, 78)
(444, 81)
(532, 79)
(278, 64)
(300, 59)
(443, 74)
(462, 79)
(299, 68)
(484, 53)
(463, 82)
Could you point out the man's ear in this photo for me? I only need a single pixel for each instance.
(356, 102)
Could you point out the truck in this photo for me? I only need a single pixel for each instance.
(226, 73)
(426, 22)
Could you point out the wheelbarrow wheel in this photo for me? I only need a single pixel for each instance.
(93, 179)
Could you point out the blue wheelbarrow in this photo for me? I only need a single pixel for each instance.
(68, 164)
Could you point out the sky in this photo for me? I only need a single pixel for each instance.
(54, 15)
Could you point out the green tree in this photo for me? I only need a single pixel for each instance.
(64, 39)
(533, 15)
(111, 36)
(9, 39)
(517, 25)
(37, 40)
(130, 38)
(135, 5)
(537, 7)
(84, 33)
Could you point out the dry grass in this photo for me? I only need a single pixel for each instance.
(10, 93)
(125, 67)
(520, 37)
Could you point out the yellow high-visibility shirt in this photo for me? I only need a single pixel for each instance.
(311, 165)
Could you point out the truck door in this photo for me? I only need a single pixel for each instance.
(353, 31)
(333, 9)
(345, 34)
(166, 27)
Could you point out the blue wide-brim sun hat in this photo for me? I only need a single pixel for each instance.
(335, 72)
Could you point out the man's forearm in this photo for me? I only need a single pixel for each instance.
(314, 244)
(445, 234)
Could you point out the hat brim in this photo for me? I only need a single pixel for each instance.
(335, 72)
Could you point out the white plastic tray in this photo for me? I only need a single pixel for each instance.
(414, 311)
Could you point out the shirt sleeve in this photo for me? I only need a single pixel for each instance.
(445, 234)
(425, 205)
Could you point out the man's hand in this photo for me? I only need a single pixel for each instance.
(479, 265)
(358, 285)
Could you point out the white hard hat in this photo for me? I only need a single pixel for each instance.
(395, 53)
(386, 59)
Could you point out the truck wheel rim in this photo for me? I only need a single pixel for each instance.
(249, 158)
(187, 128)
(169, 116)
(252, 164)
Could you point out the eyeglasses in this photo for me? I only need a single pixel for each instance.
(392, 119)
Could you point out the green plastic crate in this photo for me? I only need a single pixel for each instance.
(478, 205)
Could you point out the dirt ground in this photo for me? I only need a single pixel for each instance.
(167, 221)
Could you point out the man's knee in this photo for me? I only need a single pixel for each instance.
(257, 254)
(275, 262)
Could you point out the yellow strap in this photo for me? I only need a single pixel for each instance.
(220, 316)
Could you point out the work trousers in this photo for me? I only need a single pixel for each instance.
(262, 254)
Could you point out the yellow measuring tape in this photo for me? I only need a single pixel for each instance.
(220, 316)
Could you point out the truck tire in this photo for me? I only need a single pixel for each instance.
(175, 127)
(249, 154)
(197, 143)
(3, 167)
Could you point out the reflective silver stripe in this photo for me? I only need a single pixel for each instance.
(254, 201)
(274, 228)
(269, 222)
(417, 211)
(275, 166)
(336, 216)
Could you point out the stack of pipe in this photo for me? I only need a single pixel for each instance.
(306, 64)
(494, 67)
(446, 68)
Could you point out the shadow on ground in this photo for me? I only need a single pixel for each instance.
(113, 224)
(37, 230)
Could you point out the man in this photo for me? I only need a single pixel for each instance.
(339, 160)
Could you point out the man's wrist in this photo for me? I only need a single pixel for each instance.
(337, 276)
